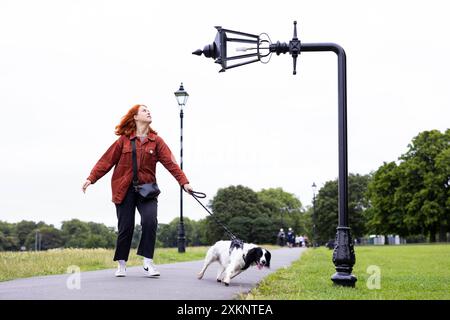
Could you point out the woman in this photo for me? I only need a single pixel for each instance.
(150, 148)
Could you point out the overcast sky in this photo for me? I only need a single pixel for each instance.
(69, 70)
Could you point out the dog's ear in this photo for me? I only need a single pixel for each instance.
(249, 258)
(268, 256)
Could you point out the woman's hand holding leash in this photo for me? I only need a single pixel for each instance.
(187, 187)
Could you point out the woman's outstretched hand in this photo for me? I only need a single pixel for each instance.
(187, 187)
(85, 185)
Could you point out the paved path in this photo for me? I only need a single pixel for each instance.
(177, 282)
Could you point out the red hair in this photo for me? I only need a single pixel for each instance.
(127, 125)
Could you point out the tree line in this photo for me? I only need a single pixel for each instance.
(29, 235)
(409, 197)
(412, 196)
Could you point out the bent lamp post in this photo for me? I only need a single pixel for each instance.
(261, 49)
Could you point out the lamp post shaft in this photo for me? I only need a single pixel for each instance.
(181, 233)
(344, 254)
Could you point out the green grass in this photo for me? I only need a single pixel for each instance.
(15, 265)
(409, 272)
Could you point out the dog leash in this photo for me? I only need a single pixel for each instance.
(200, 195)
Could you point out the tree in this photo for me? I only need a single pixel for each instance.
(443, 175)
(167, 235)
(231, 206)
(386, 215)
(230, 202)
(413, 196)
(326, 211)
(327, 207)
(306, 224)
(100, 236)
(263, 230)
(202, 231)
(50, 238)
(193, 232)
(254, 216)
(424, 181)
(80, 234)
(75, 233)
(8, 237)
(23, 230)
(7, 228)
(283, 207)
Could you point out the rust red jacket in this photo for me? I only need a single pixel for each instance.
(148, 153)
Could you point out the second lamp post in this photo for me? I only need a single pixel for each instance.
(182, 97)
(314, 187)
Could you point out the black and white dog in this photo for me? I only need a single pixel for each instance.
(234, 258)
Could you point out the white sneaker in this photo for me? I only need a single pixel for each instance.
(121, 271)
(150, 270)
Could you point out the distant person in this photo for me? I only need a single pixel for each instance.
(297, 241)
(150, 149)
(290, 238)
(281, 237)
(302, 241)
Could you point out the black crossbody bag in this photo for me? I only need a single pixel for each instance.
(146, 190)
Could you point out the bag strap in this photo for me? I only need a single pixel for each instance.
(135, 171)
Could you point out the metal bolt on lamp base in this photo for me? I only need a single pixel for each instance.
(344, 258)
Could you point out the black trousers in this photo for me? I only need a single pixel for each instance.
(125, 214)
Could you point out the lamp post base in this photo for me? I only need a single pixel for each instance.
(344, 258)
